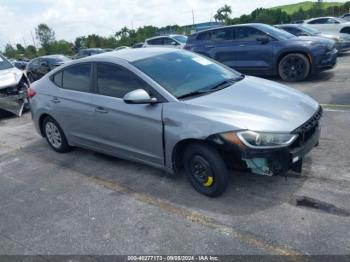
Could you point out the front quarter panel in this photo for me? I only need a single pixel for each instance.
(183, 121)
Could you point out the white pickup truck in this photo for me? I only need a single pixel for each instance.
(13, 87)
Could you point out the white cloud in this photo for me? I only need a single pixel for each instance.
(72, 18)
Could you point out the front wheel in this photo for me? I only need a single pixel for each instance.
(294, 67)
(205, 169)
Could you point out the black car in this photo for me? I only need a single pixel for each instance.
(89, 52)
(40, 66)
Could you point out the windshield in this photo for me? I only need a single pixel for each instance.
(181, 38)
(275, 32)
(4, 63)
(58, 60)
(183, 73)
(309, 30)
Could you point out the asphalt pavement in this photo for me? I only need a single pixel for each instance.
(85, 203)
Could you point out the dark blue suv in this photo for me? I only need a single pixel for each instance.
(265, 50)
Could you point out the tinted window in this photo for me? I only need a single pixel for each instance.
(204, 36)
(57, 60)
(35, 62)
(4, 64)
(183, 72)
(116, 81)
(222, 34)
(319, 21)
(77, 78)
(293, 30)
(57, 79)
(169, 41)
(157, 41)
(181, 38)
(248, 34)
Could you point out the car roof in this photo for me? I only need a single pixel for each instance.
(161, 36)
(230, 26)
(293, 25)
(131, 54)
(51, 56)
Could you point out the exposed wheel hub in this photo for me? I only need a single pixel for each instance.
(201, 171)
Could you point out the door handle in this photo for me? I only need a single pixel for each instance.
(101, 110)
(241, 45)
(56, 100)
(209, 46)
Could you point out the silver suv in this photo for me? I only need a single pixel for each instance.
(176, 110)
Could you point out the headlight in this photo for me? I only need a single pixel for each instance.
(265, 140)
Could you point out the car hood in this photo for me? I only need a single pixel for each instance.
(314, 40)
(255, 104)
(10, 77)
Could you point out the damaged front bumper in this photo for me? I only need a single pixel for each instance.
(14, 97)
(14, 103)
(279, 161)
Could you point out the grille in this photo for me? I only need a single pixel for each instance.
(307, 130)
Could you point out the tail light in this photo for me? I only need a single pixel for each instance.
(31, 92)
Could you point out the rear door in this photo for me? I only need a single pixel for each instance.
(250, 54)
(72, 103)
(128, 130)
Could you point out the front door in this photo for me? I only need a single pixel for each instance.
(250, 53)
(127, 130)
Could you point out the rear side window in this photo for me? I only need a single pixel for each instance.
(222, 34)
(293, 30)
(248, 34)
(77, 78)
(157, 41)
(204, 36)
(116, 81)
(57, 79)
(319, 21)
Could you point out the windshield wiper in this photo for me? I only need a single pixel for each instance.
(218, 86)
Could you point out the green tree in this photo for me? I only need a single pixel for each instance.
(10, 51)
(45, 35)
(223, 14)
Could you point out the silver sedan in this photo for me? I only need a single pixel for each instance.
(176, 110)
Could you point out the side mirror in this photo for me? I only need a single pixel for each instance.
(263, 40)
(139, 96)
(173, 43)
(44, 64)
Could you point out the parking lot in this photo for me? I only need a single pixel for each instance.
(87, 203)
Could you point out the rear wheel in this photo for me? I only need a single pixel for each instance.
(205, 169)
(294, 67)
(55, 136)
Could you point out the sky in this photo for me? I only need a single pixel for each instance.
(72, 18)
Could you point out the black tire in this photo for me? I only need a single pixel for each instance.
(213, 180)
(294, 67)
(62, 146)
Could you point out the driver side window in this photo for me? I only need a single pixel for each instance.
(116, 81)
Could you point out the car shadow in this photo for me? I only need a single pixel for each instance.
(314, 78)
(245, 194)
